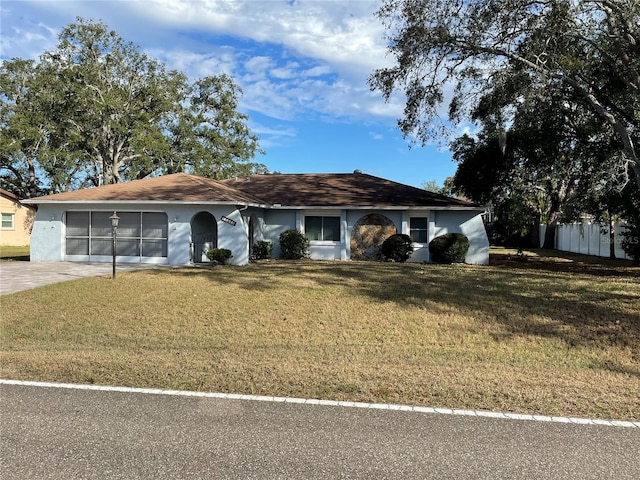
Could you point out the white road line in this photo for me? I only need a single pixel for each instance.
(332, 403)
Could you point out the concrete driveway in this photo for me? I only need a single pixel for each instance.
(17, 276)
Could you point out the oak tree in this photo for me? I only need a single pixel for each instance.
(96, 110)
(450, 52)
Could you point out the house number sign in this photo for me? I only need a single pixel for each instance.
(228, 220)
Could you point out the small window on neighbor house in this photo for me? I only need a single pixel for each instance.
(418, 229)
(322, 228)
(7, 221)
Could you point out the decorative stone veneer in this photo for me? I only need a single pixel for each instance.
(368, 235)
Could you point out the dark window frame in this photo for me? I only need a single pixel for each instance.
(419, 233)
(325, 231)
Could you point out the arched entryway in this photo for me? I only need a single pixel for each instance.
(204, 236)
(368, 234)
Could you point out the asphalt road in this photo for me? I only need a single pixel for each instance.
(55, 433)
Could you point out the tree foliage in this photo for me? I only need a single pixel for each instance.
(96, 110)
(453, 52)
(553, 156)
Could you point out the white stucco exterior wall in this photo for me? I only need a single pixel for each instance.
(49, 231)
(234, 237)
(276, 222)
(470, 224)
(47, 235)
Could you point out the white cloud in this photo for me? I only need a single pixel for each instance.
(317, 54)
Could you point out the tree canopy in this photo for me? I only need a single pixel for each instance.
(96, 110)
(453, 52)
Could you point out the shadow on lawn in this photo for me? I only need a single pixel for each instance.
(15, 258)
(559, 301)
(564, 262)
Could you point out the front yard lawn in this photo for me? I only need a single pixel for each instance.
(547, 336)
(14, 253)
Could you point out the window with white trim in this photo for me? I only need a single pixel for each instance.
(418, 229)
(319, 228)
(139, 234)
(8, 221)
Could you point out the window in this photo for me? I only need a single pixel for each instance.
(418, 229)
(322, 228)
(139, 234)
(7, 221)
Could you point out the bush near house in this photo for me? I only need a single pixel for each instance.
(397, 248)
(261, 250)
(219, 255)
(293, 245)
(449, 248)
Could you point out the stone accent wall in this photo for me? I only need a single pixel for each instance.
(368, 235)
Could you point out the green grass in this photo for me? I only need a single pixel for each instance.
(552, 335)
(14, 253)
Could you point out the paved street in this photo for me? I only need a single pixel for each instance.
(58, 433)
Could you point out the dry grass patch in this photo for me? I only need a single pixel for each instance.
(502, 337)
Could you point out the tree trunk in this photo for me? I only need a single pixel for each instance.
(534, 238)
(550, 233)
(612, 239)
(550, 236)
(554, 214)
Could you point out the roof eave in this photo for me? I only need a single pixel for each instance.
(261, 205)
(376, 207)
(147, 202)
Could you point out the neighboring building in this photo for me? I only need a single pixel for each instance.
(174, 219)
(17, 220)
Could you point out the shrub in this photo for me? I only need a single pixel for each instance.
(219, 255)
(293, 245)
(397, 248)
(261, 250)
(449, 248)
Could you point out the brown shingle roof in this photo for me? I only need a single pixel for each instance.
(13, 197)
(177, 187)
(288, 190)
(9, 195)
(340, 189)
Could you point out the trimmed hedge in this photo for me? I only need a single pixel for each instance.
(293, 245)
(219, 255)
(261, 250)
(397, 248)
(449, 248)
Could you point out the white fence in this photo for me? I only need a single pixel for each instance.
(587, 239)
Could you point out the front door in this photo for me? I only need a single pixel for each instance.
(204, 236)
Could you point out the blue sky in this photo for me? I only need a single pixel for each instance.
(303, 67)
